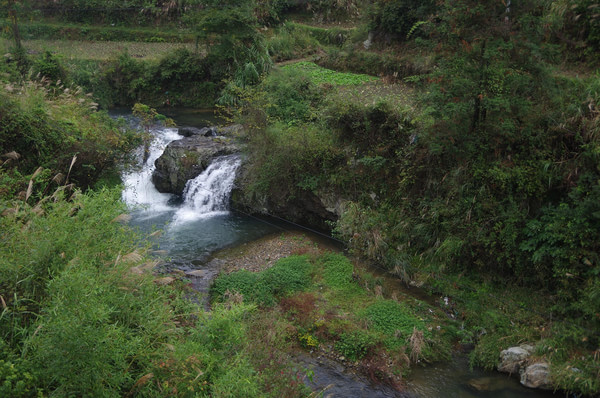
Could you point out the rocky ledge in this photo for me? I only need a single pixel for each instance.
(186, 158)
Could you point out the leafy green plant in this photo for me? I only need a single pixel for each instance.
(320, 75)
(286, 276)
(354, 345)
(337, 271)
(394, 320)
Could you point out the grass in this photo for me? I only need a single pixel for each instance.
(99, 50)
(339, 312)
(320, 75)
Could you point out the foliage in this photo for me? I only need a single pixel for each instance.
(65, 31)
(290, 96)
(16, 379)
(397, 17)
(236, 48)
(49, 67)
(127, 12)
(48, 126)
(319, 75)
(337, 271)
(329, 36)
(354, 345)
(289, 42)
(392, 319)
(288, 275)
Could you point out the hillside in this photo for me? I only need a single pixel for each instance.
(453, 144)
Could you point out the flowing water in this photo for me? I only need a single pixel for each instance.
(200, 223)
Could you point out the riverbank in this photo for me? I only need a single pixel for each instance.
(309, 322)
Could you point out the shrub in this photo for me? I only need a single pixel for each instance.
(397, 17)
(48, 66)
(394, 320)
(354, 345)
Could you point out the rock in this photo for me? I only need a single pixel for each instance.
(486, 384)
(512, 359)
(167, 280)
(307, 208)
(199, 273)
(369, 42)
(204, 131)
(537, 375)
(185, 159)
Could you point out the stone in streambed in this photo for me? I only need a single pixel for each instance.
(198, 273)
(537, 375)
(513, 358)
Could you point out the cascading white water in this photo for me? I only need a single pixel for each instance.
(208, 194)
(139, 189)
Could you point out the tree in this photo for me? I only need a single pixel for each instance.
(235, 45)
(13, 8)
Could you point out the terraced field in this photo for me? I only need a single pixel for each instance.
(98, 50)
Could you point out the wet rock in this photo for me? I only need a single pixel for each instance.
(307, 208)
(192, 131)
(185, 159)
(537, 375)
(486, 384)
(513, 358)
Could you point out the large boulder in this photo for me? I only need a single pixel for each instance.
(513, 358)
(537, 375)
(186, 158)
(310, 209)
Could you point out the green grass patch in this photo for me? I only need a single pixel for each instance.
(320, 75)
(337, 271)
(393, 319)
(288, 275)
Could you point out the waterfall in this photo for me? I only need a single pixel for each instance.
(139, 189)
(208, 194)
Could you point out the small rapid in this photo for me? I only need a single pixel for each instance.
(191, 227)
(139, 191)
(208, 194)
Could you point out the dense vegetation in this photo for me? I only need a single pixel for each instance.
(471, 161)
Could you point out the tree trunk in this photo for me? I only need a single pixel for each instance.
(12, 13)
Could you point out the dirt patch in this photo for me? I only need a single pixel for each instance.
(263, 253)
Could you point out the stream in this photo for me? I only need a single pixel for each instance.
(191, 228)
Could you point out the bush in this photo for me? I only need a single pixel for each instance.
(397, 17)
(49, 67)
(394, 320)
(291, 97)
(291, 43)
(354, 345)
(48, 127)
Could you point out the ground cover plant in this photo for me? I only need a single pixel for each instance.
(319, 75)
(323, 304)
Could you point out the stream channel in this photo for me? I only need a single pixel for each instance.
(200, 223)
